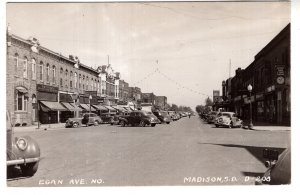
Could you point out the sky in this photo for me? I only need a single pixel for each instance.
(182, 50)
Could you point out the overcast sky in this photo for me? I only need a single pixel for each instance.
(190, 43)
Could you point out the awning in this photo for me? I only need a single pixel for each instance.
(111, 108)
(87, 107)
(76, 107)
(70, 107)
(128, 108)
(100, 107)
(120, 108)
(53, 106)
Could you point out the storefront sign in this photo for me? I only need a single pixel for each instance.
(46, 88)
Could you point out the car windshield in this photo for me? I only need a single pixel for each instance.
(164, 113)
(226, 114)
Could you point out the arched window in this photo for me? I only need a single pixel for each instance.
(87, 83)
(33, 69)
(41, 70)
(61, 82)
(47, 72)
(67, 72)
(54, 74)
(16, 61)
(25, 68)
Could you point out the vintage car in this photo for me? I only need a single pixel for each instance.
(139, 117)
(85, 119)
(163, 116)
(107, 117)
(212, 116)
(228, 119)
(173, 115)
(22, 152)
(279, 167)
(116, 119)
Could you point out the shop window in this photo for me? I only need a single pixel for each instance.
(33, 69)
(21, 101)
(41, 71)
(47, 72)
(25, 68)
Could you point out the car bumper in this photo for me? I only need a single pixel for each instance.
(22, 161)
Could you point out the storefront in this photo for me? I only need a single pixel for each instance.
(48, 105)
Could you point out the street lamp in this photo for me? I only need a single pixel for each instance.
(90, 98)
(250, 122)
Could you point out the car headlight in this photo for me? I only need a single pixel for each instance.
(22, 144)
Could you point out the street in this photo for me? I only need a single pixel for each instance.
(185, 152)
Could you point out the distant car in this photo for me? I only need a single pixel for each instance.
(23, 152)
(163, 116)
(85, 119)
(228, 119)
(139, 117)
(279, 168)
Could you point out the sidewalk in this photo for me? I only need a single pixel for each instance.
(43, 127)
(259, 126)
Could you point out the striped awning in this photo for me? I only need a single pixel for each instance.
(53, 106)
(100, 107)
(76, 107)
(119, 108)
(87, 107)
(70, 107)
(111, 108)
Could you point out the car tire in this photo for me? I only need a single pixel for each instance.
(29, 169)
(230, 125)
(217, 126)
(168, 122)
(122, 123)
(96, 123)
(142, 123)
(153, 125)
(75, 125)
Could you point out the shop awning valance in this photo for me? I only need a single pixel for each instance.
(100, 107)
(87, 107)
(70, 107)
(52, 106)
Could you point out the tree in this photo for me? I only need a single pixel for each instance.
(174, 107)
(208, 102)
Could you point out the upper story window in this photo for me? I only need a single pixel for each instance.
(33, 69)
(53, 74)
(61, 82)
(25, 68)
(67, 73)
(47, 72)
(41, 70)
(75, 79)
(16, 61)
(79, 81)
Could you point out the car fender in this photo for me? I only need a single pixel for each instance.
(32, 150)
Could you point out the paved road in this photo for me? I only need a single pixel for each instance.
(185, 152)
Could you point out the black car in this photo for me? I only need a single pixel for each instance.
(139, 117)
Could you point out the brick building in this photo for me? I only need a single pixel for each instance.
(148, 98)
(45, 86)
(269, 74)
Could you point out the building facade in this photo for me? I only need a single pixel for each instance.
(45, 86)
(148, 98)
(269, 75)
(161, 102)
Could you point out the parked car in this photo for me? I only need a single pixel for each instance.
(163, 116)
(139, 117)
(107, 117)
(22, 152)
(212, 116)
(85, 119)
(279, 168)
(116, 119)
(228, 119)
